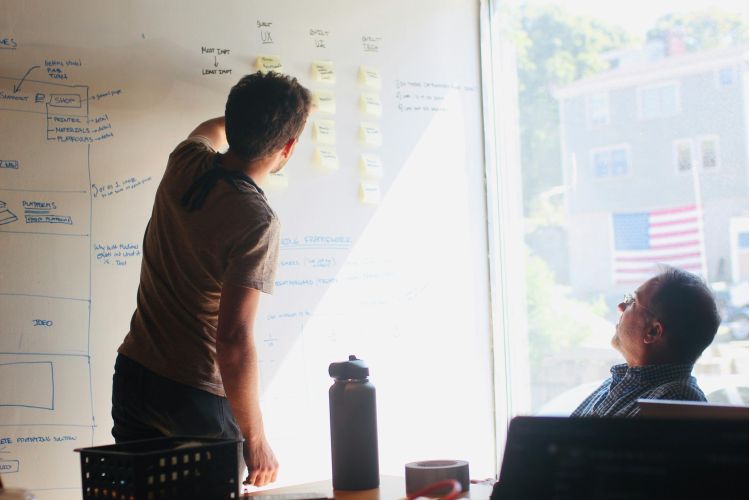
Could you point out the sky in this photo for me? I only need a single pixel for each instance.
(637, 16)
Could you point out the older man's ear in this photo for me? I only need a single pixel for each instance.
(655, 333)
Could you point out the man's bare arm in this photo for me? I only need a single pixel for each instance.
(213, 130)
(238, 363)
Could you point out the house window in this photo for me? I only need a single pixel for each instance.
(659, 101)
(684, 155)
(598, 109)
(725, 77)
(709, 151)
(702, 152)
(742, 240)
(611, 162)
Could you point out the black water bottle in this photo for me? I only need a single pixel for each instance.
(354, 429)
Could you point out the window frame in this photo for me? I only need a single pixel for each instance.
(717, 77)
(676, 156)
(696, 154)
(589, 98)
(609, 148)
(640, 90)
(699, 150)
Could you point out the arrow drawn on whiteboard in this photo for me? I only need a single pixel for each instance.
(216, 62)
(16, 88)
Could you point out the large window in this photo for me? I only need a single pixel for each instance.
(647, 96)
(658, 101)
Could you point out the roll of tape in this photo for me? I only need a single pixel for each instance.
(422, 474)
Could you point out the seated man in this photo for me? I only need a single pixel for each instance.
(664, 327)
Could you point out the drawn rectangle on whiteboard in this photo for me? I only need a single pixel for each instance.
(65, 101)
(63, 213)
(27, 385)
(9, 466)
(43, 324)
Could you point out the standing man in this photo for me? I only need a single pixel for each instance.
(189, 365)
(664, 327)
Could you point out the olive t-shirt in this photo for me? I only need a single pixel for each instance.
(233, 238)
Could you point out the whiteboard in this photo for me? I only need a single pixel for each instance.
(94, 96)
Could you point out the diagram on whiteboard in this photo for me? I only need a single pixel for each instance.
(45, 293)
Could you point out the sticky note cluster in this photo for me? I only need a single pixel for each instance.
(325, 157)
(370, 135)
(323, 125)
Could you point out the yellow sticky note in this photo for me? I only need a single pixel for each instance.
(370, 166)
(322, 71)
(325, 102)
(370, 77)
(326, 158)
(369, 192)
(324, 131)
(370, 104)
(269, 63)
(278, 180)
(369, 134)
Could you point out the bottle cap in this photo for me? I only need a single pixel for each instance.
(353, 369)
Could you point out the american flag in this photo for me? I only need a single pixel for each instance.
(644, 239)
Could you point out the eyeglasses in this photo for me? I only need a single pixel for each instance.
(629, 299)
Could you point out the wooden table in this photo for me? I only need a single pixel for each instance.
(391, 488)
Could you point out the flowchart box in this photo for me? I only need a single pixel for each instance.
(27, 385)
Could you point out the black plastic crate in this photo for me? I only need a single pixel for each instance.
(163, 468)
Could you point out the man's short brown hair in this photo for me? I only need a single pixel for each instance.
(263, 112)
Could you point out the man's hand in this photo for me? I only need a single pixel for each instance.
(238, 363)
(261, 463)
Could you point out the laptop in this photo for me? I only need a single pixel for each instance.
(624, 458)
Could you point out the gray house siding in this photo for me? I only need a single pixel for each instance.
(653, 181)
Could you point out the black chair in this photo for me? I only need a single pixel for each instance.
(624, 458)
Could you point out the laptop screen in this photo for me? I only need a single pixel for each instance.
(618, 458)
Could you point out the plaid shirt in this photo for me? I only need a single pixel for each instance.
(618, 395)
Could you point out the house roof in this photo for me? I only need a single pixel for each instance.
(649, 72)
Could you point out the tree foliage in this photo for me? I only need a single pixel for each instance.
(556, 321)
(701, 30)
(553, 49)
